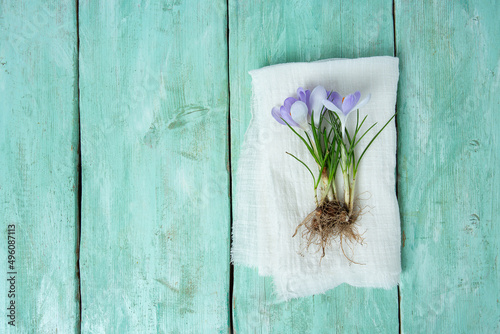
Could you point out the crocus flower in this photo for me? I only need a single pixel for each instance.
(309, 101)
(343, 106)
(297, 112)
(282, 114)
(294, 112)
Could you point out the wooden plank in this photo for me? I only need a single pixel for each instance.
(39, 164)
(449, 184)
(155, 211)
(270, 32)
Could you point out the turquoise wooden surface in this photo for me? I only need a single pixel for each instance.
(156, 157)
(449, 126)
(38, 165)
(155, 204)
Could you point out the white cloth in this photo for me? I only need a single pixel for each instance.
(274, 192)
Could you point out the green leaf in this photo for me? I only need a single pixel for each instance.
(302, 162)
(371, 127)
(309, 147)
(315, 137)
(369, 144)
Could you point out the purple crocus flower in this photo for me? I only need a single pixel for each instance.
(283, 114)
(343, 106)
(295, 112)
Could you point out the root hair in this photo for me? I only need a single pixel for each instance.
(331, 220)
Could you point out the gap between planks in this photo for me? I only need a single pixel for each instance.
(397, 170)
(79, 176)
(230, 172)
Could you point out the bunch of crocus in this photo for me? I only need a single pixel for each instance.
(319, 119)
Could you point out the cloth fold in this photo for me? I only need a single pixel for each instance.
(274, 193)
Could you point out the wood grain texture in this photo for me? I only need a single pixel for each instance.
(155, 212)
(38, 169)
(449, 124)
(271, 32)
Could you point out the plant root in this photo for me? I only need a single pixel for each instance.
(329, 221)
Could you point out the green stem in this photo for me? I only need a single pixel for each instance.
(351, 201)
(333, 189)
(345, 172)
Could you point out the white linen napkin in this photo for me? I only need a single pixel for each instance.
(274, 192)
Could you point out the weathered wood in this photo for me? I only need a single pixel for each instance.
(271, 32)
(38, 168)
(155, 211)
(449, 126)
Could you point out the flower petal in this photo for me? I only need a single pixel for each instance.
(288, 103)
(364, 101)
(350, 102)
(316, 99)
(304, 97)
(308, 102)
(331, 106)
(285, 114)
(336, 98)
(299, 113)
(301, 93)
(277, 115)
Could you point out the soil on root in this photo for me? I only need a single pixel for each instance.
(329, 221)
